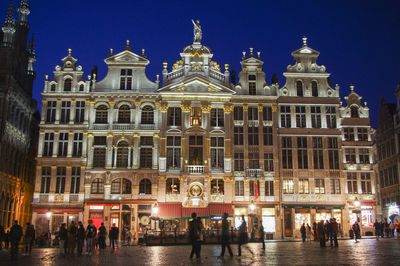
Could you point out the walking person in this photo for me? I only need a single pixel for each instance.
(243, 238)
(89, 237)
(303, 232)
(102, 236)
(315, 231)
(330, 231)
(308, 232)
(382, 229)
(63, 239)
(262, 236)
(195, 236)
(128, 237)
(80, 238)
(29, 237)
(15, 237)
(2, 236)
(71, 238)
(356, 229)
(225, 236)
(335, 231)
(377, 226)
(7, 239)
(391, 229)
(114, 233)
(321, 234)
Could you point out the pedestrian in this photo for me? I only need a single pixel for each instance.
(29, 237)
(2, 236)
(71, 238)
(330, 231)
(80, 238)
(303, 232)
(63, 235)
(377, 226)
(48, 238)
(262, 236)
(335, 231)
(128, 237)
(90, 233)
(225, 236)
(391, 229)
(102, 236)
(397, 229)
(114, 233)
(195, 236)
(15, 237)
(243, 238)
(321, 234)
(382, 229)
(315, 231)
(356, 229)
(308, 232)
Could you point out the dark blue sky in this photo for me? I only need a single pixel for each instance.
(359, 41)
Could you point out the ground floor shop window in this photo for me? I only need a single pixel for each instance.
(367, 218)
(301, 218)
(238, 217)
(323, 215)
(268, 220)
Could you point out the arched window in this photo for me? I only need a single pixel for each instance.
(101, 114)
(97, 186)
(53, 87)
(354, 111)
(145, 187)
(124, 114)
(81, 87)
(173, 186)
(121, 186)
(67, 85)
(217, 187)
(147, 115)
(116, 186)
(126, 186)
(314, 89)
(122, 155)
(299, 86)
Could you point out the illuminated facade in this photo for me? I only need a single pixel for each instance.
(195, 142)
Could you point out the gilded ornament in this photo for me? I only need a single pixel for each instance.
(164, 107)
(245, 107)
(260, 108)
(186, 107)
(228, 108)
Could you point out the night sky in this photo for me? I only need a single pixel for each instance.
(359, 41)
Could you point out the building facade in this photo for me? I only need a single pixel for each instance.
(19, 118)
(145, 154)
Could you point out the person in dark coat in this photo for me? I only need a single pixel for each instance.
(2, 236)
(80, 237)
(15, 237)
(321, 234)
(225, 236)
(7, 239)
(114, 232)
(356, 229)
(90, 234)
(63, 238)
(377, 226)
(329, 227)
(262, 236)
(335, 231)
(243, 238)
(29, 237)
(194, 234)
(102, 236)
(315, 231)
(303, 232)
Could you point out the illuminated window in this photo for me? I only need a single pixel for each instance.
(60, 181)
(173, 186)
(46, 178)
(366, 183)
(319, 186)
(288, 186)
(217, 153)
(217, 187)
(303, 186)
(335, 186)
(352, 187)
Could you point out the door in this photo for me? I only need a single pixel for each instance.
(288, 223)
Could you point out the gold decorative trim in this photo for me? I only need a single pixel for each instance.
(228, 108)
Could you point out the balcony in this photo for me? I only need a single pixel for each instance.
(147, 126)
(123, 127)
(195, 169)
(73, 197)
(44, 198)
(100, 126)
(253, 172)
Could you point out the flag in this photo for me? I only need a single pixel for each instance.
(256, 187)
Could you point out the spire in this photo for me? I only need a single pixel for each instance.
(32, 46)
(9, 25)
(304, 41)
(10, 14)
(23, 10)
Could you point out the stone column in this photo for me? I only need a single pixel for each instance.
(162, 166)
(111, 116)
(41, 143)
(228, 120)
(90, 151)
(88, 109)
(260, 137)
(129, 157)
(109, 149)
(85, 144)
(55, 145)
(70, 143)
(136, 151)
(44, 111)
(115, 148)
(156, 139)
(156, 115)
(72, 112)
(138, 114)
(67, 183)
(58, 112)
(186, 108)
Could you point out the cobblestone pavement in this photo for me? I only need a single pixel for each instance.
(366, 252)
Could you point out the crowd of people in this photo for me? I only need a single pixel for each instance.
(322, 232)
(388, 229)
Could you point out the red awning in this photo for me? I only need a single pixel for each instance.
(218, 209)
(169, 210)
(201, 212)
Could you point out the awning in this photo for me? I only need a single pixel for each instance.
(218, 209)
(318, 207)
(169, 210)
(201, 212)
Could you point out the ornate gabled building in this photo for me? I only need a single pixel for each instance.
(137, 151)
(19, 118)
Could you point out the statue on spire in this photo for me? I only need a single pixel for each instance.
(197, 31)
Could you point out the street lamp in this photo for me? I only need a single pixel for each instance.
(48, 215)
(155, 209)
(357, 202)
(252, 206)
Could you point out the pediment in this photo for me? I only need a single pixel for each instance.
(126, 57)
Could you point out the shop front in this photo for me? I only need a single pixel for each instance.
(50, 220)
(364, 214)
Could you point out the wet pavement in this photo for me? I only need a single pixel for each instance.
(365, 252)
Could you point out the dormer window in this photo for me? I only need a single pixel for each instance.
(67, 85)
(53, 87)
(126, 79)
(299, 86)
(252, 85)
(81, 87)
(314, 89)
(354, 111)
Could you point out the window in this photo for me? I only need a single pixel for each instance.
(53, 87)
(354, 111)
(252, 113)
(174, 115)
(99, 157)
(48, 144)
(314, 88)
(97, 186)
(239, 161)
(100, 140)
(116, 186)
(46, 178)
(173, 186)
(331, 116)
(366, 183)
(319, 186)
(333, 153)
(173, 152)
(303, 186)
(252, 85)
(145, 187)
(60, 182)
(67, 85)
(348, 134)
(363, 134)
(63, 144)
(285, 116)
(301, 116)
(267, 113)
(316, 116)
(318, 153)
(217, 153)
(335, 186)
(65, 112)
(267, 133)
(195, 150)
(124, 114)
(302, 157)
(287, 153)
(253, 135)
(254, 160)
(75, 180)
(126, 79)
(146, 152)
(51, 111)
(195, 116)
(81, 87)
(352, 183)
(364, 156)
(238, 113)
(78, 138)
(238, 135)
(269, 188)
(122, 155)
(239, 188)
(252, 186)
(80, 112)
(269, 161)
(217, 187)
(299, 87)
(101, 114)
(217, 117)
(350, 155)
(287, 186)
(147, 115)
